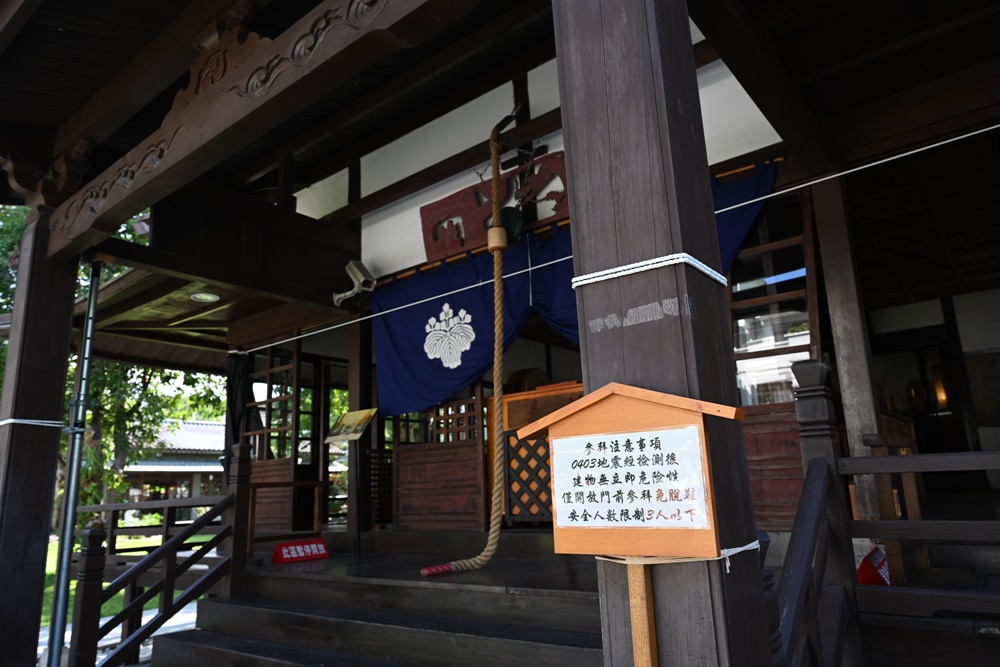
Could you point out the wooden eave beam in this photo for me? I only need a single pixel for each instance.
(466, 48)
(935, 110)
(522, 134)
(237, 92)
(704, 54)
(749, 53)
(157, 66)
(13, 15)
(274, 218)
(416, 118)
(181, 265)
(912, 41)
(175, 341)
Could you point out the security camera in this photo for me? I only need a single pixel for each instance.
(362, 278)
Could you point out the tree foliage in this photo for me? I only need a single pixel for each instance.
(127, 405)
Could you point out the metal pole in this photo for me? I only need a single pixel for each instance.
(60, 601)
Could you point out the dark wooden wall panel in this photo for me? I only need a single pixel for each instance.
(273, 510)
(440, 486)
(774, 459)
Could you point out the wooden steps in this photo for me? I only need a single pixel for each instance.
(305, 618)
(199, 647)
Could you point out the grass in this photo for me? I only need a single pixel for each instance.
(113, 606)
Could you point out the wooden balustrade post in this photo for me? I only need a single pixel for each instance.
(133, 622)
(87, 602)
(114, 516)
(818, 439)
(237, 518)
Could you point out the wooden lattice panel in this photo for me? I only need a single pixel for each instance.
(458, 421)
(528, 496)
(381, 479)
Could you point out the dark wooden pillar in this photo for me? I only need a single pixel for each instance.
(360, 388)
(239, 392)
(637, 167)
(850, 334)
(814, 410)
(33, 389)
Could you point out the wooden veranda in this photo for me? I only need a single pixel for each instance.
(266, 145)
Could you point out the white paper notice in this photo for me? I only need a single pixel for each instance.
(646, 479)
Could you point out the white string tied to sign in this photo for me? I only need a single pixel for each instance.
(662, 560)
(649, 265)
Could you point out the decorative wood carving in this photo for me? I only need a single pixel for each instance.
(232, 53)
(354, 15)
(457, 223)
(93, 198)
(48, 187)
(232, 93)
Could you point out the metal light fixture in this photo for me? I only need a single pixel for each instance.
(205, 297)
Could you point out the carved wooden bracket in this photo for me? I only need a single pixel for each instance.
(44, 190)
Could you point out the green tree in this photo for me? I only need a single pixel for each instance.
(127, 404)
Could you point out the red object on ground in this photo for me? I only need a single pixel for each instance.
(437, 569)
(290, 552)
(874, 569)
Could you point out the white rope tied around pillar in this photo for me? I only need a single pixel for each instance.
(32, 422)
(662, 560)
(649, 265)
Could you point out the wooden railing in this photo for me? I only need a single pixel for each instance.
(818, 624)
(813, 614)
(873, 609)
(960, 612)
(113, 515)
(216, 564)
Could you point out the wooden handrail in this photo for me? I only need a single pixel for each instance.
(801, 585)
(958, 531)
(169, 548)
(153, 505)
(964, 461)
(90, 598)
(160, 570)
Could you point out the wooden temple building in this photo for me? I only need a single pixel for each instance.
(705, 193)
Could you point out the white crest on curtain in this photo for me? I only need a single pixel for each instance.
(449, 336)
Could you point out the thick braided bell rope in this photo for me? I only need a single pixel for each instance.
(496, 507)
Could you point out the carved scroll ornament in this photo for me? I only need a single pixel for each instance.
(355, 14)
(93, 198)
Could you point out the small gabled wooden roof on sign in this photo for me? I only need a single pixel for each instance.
(647, 395)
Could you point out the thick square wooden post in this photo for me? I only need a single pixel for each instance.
(850, 333)
(33, 389)
(637, 167)
(360, 389)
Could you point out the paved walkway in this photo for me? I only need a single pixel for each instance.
(182, 620)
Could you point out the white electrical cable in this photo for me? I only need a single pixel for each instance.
(481, 283)
(862, 167)
(715, 275)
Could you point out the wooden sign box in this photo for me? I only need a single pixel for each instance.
(631, 475)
